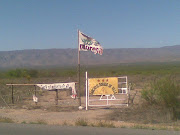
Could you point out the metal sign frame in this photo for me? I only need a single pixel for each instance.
(122, 90)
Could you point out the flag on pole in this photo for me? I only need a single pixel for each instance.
(87, 43)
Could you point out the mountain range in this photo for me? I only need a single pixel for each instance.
(69, 57)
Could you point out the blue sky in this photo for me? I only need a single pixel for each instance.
(45, 24)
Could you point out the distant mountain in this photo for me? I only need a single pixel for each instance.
(68, 57)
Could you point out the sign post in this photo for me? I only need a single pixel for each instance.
(86, 91)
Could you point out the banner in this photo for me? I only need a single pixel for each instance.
(89, 44)
(58, 86)
(103, 86)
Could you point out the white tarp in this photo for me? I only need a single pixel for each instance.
(58, 86)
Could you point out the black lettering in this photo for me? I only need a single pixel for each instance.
(105, 84)
(110, 86)
(101, 84)
(94, 88)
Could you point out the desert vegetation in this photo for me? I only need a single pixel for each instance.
(155, 89)
(164, 92)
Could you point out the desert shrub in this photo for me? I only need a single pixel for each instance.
(105, 124)
(27, 73)
(6, 120)
(39, 121)
(132, 86)
(33, 73)
(81, 122)
(15, 73)
(164, 92)
(150, 94)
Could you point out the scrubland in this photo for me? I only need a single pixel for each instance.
(154, 100)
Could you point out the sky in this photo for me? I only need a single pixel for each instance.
(46, 24)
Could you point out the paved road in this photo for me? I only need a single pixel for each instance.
(26, 129)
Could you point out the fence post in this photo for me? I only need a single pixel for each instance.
(56, 96)
(12, 92)
(35, 90)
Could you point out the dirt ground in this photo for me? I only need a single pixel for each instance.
(24, 115)
(67, 112)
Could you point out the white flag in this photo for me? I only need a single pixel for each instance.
(89, 44)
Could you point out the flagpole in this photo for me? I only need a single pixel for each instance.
(79, 92)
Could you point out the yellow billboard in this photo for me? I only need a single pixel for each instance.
(103, 86)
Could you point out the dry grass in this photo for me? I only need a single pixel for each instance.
(100, 123)
(6, 120)
(40, 121)
(62, 108)
(106, 124)
(81, 122)
(143, 114)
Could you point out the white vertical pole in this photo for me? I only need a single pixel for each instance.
(127, 91)
(107, 100)
(86, 91)
(126, 85)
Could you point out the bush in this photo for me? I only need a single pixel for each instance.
(81, 122)
(15, 73)
(20, 73)
(40, 121)
(6, 120)
(105, 124)
(150, 94)
(164, 92)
